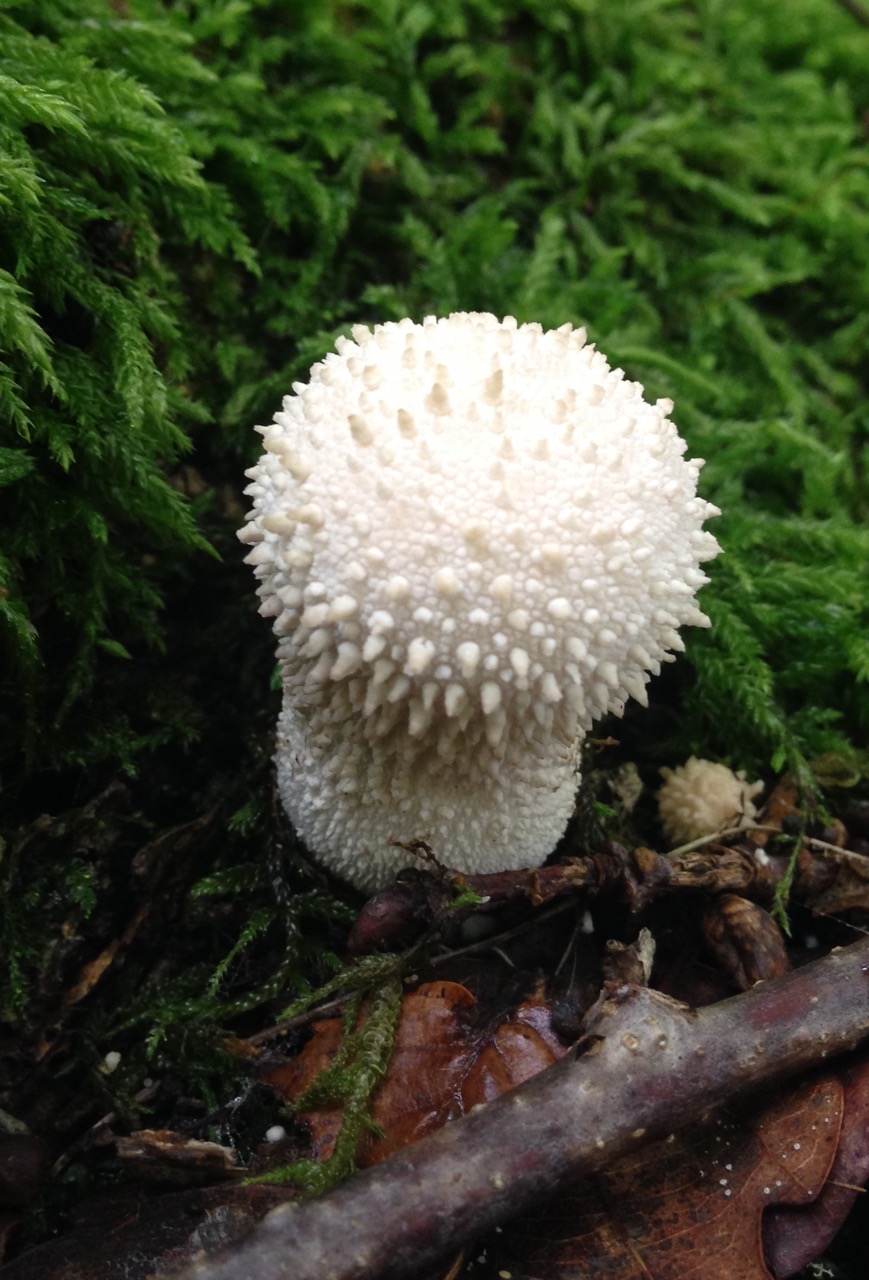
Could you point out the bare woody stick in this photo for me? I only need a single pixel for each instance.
(650, 1066)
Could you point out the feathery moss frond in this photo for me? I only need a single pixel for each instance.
(195, 199)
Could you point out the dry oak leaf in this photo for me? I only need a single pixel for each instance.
(794, 1236)
(441, 1067)
(687, 1208)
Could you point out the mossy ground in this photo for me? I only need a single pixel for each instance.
(197, 198)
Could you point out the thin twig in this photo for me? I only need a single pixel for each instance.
(718, 836)
(773, 831)
(490, 944)
(300, 1020)
(832, 848)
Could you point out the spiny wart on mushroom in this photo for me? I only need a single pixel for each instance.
(474, 538)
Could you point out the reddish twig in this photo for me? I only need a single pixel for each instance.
(650, 1066)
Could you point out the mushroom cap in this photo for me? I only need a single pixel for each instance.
(701, 797)
(474, 538)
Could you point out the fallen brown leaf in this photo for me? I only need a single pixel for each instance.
(745, 940)
(441, 1067)
(651, 1067)
(794, 1237)
(687, 1207)
(90, 973)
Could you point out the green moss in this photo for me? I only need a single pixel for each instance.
(374, 988)
(93, 177)
(199, 196)
(195, 198)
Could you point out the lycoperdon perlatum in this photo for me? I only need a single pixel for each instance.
(474, 539)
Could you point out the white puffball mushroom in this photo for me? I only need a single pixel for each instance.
(699, 798)
(474, 539)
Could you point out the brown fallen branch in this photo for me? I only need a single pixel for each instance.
(646, 1066)
(407, 908)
